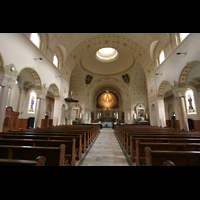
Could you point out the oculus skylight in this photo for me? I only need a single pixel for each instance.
(107, 54)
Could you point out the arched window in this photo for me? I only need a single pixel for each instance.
(190, 102)
(55, 60)
(179, 37)
(183, 36)
(161, 56)
(32, 103)
(35, 38)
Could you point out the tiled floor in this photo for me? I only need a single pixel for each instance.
(105, 151)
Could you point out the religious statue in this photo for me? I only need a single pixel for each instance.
(32, 102)
(190, 102)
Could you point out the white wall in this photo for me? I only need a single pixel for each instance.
(15, 48)
(173, 65)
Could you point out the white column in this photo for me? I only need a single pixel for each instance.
(161, 112)
(57, 111)
(38, 115)
(21, 101)
(3, 101)
(41, 94)
(179, 95)
(6, 82)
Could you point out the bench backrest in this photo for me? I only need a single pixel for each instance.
(179, 158)
(54, 155)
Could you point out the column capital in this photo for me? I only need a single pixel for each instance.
(179, 92)
(41, 94)
(7, 80)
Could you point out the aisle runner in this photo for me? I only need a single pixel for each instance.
(105, 151)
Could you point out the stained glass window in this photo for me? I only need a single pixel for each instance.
(161, 56)
(35, 38)
(55, 60)
(190, 102)
(183, 36)
(32, 103)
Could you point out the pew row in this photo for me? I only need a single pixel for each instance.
(157, 140)
(55, 156)
(179, 158)
(39, 161)
(140, 153)
(80, 144)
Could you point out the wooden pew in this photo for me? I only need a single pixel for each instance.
(55, 156)
(179, 158)
(158, 140)
(140, 146)
(85, 135)
(70, 154)
(159, 135)
(39, 161)
(91, 130)
(125, 132)
(52, 137)
(169, 163)
(80, 138)
(180, 136)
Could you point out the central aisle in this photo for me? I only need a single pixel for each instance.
(105, 151)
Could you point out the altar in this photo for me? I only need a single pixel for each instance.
(107, 124)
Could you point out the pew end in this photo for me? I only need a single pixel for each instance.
(168, 163)
(40, 161)
(148, 156)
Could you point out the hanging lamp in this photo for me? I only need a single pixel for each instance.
(71, 99)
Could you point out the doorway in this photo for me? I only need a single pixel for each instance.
(47, 119)
(173, 120)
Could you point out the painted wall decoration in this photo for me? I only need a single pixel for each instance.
(190, 102)
(88, 79)
(140, 110)
(126, 78)
(107, 99)
(32, 103)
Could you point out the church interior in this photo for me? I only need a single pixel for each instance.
(110, 78)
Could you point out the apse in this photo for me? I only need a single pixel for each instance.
(107, 99)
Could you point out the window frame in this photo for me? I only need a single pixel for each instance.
(158, 58)
(39, 37)
(55, 54)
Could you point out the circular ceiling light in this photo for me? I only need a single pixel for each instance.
(107, 54)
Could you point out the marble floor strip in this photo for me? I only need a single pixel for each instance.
(105, 151)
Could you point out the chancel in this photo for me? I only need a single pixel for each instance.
(117, 79)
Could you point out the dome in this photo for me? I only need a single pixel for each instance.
(107, 54)
(107, 61)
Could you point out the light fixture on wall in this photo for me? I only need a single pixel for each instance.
(38, 58)
(181, 53)
(58, 76)
(158, 74)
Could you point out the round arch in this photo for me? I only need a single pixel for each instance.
(55, 89)
(185, 72)
(164, 86)
(110, 82)
(25, 82)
